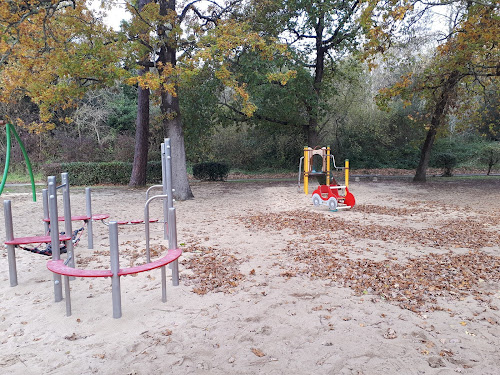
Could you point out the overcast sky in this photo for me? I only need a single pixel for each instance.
(115, 16)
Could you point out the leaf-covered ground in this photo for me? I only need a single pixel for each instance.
(212, 270)
(458, 233)
(416, 283)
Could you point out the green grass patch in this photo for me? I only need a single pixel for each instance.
(20, 177)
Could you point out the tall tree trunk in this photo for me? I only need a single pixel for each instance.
(440, 108)
(138, 177)
(312, 134)
(310, 129)
(139, 167)
(170, 109)
(425, 154)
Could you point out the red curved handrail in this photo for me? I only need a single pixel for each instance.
(58, 266)
(31, 240)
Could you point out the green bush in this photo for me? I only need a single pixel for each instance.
(210, 171)
(447, 161)
(490, 155)
(464, 148)
(116, 173)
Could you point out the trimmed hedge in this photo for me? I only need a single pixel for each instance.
(210, 171)
(115, 173)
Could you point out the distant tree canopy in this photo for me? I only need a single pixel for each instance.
(467, 61)
(280, 73)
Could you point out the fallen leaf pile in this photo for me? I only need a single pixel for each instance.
(412, 285)
(393, 211)
(464, 233)
(213, 270)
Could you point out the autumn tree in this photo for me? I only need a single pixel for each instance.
(320, 35)
(180, 40)
(468, 55)
(52, 52)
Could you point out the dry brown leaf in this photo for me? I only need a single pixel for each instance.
(258, 352)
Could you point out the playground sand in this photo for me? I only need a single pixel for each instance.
(272, 285)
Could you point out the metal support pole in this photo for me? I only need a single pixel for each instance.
(9, 236)
(300, 172)
(163, 284)
(306, 170)
(146, 223)
(172, 244)
(8, 129)
(88, 212)
(154, 186)
(67, 295)
(168, 173)
(328, 168)
(346, 182)
(54, 234)
(165, 187)
(46, 218)
(115, 267)
(68, 224)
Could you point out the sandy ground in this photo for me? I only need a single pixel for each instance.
(408, 282)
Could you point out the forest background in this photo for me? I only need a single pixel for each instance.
(387, 84)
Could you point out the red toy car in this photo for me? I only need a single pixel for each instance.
(329, 195)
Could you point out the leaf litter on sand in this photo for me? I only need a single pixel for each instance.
(415, 284)
(465, 233)
(213, 270)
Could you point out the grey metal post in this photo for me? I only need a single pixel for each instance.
(172, 244)
(68, 225)
(45, 201)
(163, 284)
(146, 231)
(88, 212)
(146, 224)
(9, 236)
(154, 186)
(168, 173)
(115, 267)
(165, 190)
(67, 295)
(54, 234)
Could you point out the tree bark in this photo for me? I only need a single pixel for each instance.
(439, 111)
(312, 134)
(170, 109)
(139, 167)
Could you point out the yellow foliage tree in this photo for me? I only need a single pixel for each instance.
(469, 54)
(52, 52)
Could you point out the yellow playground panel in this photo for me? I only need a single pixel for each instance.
(318, 162)
(327, 160)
